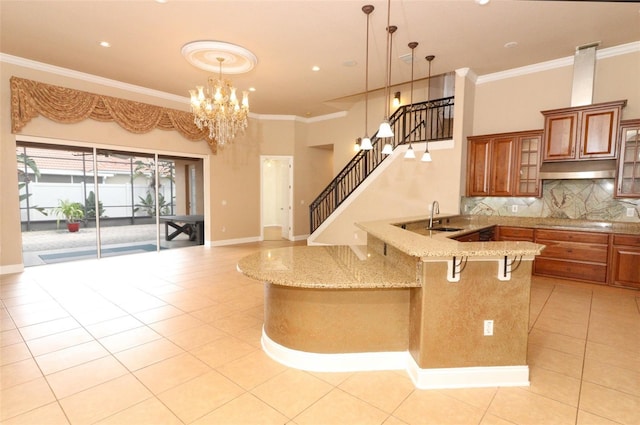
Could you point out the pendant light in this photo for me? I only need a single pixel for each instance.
(388, 147)
(426, 156)
(365, 142)
(410, 154)
(385, 127)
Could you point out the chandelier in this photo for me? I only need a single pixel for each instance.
(216, 107)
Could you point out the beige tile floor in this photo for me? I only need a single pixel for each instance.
(174, 338)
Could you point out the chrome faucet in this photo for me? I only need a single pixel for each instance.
(435, 209)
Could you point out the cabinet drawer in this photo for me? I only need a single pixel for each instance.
(515, 233)
(561, 235)
(574, 251)
(471, 237)
(571, 270)
(629, 240)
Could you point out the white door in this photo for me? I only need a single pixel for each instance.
(276, 194)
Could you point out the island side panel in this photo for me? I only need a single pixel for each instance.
(447, 318)
(337, 320)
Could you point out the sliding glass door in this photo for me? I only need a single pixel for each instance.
(125, 202)
(57, 190)
(127, 220)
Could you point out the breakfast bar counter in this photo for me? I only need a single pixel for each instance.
(452, 314)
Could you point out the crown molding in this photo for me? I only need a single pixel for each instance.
(65, 72)
(622, 49)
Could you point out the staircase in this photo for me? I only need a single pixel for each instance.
(432, 120)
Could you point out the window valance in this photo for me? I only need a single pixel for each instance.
(64, 105)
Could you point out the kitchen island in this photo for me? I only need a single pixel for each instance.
(452, 314)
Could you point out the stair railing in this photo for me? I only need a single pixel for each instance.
(433, 120)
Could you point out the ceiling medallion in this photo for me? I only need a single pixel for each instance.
(204, 55)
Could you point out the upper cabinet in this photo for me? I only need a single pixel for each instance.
(583, 132)
(527, 164)
(504, 164)
(628, 180)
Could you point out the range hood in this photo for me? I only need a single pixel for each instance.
(594, 169)
(581, 94)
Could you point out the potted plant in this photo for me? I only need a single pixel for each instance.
(71, 211)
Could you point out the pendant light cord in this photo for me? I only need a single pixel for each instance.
(388, 64)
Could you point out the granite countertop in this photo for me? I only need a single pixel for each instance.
(430, 245)
(358, 267)
(418, 241)
(616, 227)
(327, 267)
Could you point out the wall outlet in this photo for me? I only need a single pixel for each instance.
(631, 212)
(514, 208)
(488, 327)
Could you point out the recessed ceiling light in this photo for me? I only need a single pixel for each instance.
(161, 1)
(482, 2)
(315, 68)
(252, 89)
(511, 44)
(105, 44)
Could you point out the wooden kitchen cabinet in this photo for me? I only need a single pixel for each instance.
(505, 164)
(508, 233)
(479, 166)
(483, 235)
(573, 255)
(582, 133)
(625, 261)
(527, 164)
(628, 177)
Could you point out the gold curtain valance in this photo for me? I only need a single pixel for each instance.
(60, 104)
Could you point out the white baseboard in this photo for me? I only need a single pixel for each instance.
(225, 242)
(347, 362)
(468, 377)
(456, 377)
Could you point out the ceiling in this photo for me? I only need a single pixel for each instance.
(289, 37)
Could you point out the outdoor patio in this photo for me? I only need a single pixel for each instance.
(54, 246)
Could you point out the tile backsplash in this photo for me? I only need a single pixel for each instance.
(577, 199)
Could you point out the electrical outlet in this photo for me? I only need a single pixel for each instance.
(488, 327)
(631, 212)
(514, 208)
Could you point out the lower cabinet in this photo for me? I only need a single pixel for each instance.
(507, 233)
(625, 261)
(484, 235)
(573, 255)
(593, 257)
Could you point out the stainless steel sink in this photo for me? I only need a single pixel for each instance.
(444, 229)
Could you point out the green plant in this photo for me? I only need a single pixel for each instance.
(25, 163)
(71, 211)
(148, 204)
(90, 204)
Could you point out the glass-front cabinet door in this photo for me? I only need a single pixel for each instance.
(528, 165)
(628, 178)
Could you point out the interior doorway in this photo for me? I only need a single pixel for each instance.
(276, 197)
